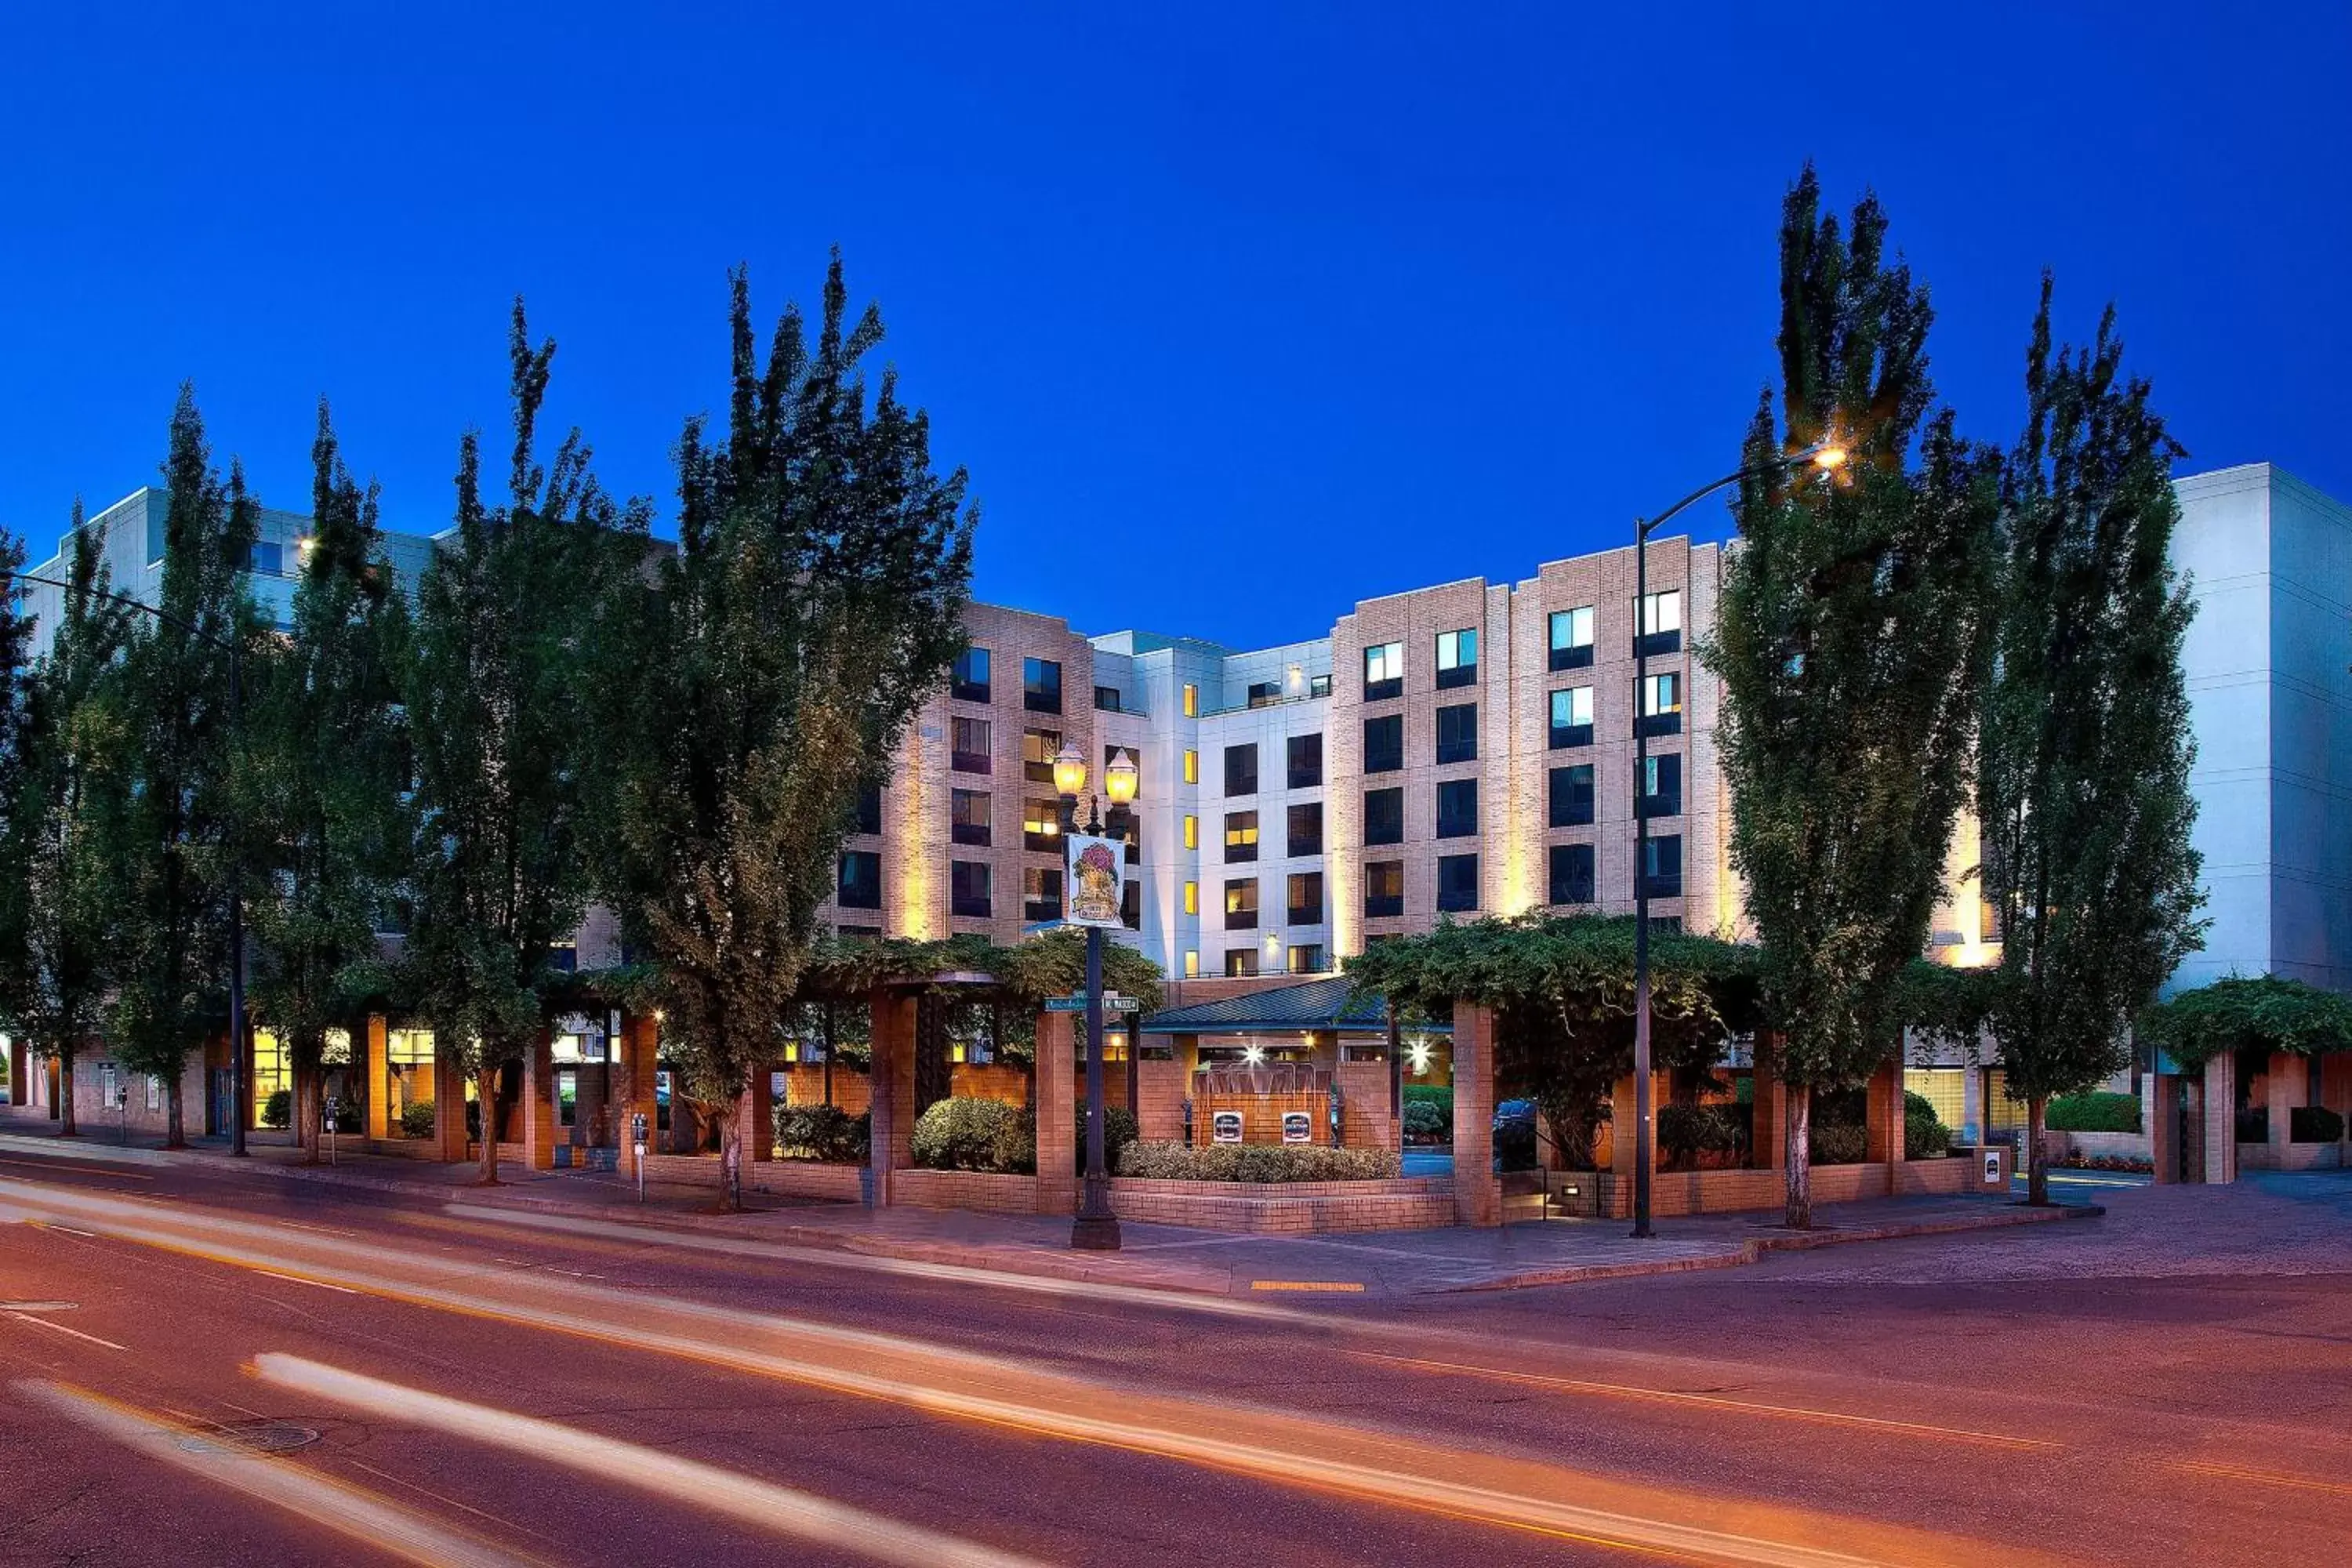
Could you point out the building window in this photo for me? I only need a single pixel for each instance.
(1458, 809)
(1457, 659)
(1241, 904)
(1192, 831)
(1191, 767)
(1384, 817)
(969, 681)
(1306, 901)
(970, 819)
(1383, 671)
(1457, 733)
(969, 886)
(1040, 893)
(1041, 825)
(1130, 904)
(1038, 750)
(1041, 685)
(1192, 964)
(1107, 698)
(1305, 829)
(860, 882)
(1659, 629)
(869, 808)
(1662, 704)
(1265, 693)
(1305, 761)
(1660, 794)
(1662, 864)
(1384, 744)
(1571, 717)
(1571, 639)
(1571, 797)
(264, 557)
(1571, 874)
(970, 746)
(1241, 769)
(1191, 898)
(1240, 835)
(1318, 685)
(1241, 961)
(1384, 889)
(1191, 700)
(1457, 882)
(1307, 960)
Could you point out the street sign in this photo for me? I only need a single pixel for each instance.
(1079, 1003)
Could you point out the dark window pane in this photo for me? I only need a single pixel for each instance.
(969, 682)
(1107, 698)
(1039, 749)
(860, 885)
(970, 818)
(970, 746)
(1040, 893)
(1661, 793)
(1384, 889)
(1572, 796)
(1457, 882)
(1305, 829)
(1305, 761)
(1384, 817)
(1041, 685)
(1664, 866)
(1458, 809)
(969, 885)
(1457, 733)
(1265, 693)
(869, 809)
(1384, 744)
(1241, 769)
(1306, 900)
(1571, 874)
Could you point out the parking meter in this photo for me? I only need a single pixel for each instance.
(637, 1139)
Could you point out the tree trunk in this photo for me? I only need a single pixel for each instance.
(67, 1126)
(486, 1087)
(306, 1112)
(176, 1134)
(1799, 1117)
(731, 1153)
(2037, 1181)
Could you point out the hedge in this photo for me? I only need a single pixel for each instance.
(824, 1132)
(1162, 1161)
(976, 1135)
(1440, 1095)
(416, 1119)
(2099, 1112)
(1924, 1136)
(2314, 1124)
(278, 1110)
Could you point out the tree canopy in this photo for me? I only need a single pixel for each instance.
(2267, 1014)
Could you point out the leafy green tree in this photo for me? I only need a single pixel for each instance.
(512, 619)
(176, 855)
(73, 792)
(321, 786)
(18, 813)
(2268, 1015)
(1851, 640)
(813, 606)
(2084, 783)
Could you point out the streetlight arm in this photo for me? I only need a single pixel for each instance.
(1753, 470)
(127, 601)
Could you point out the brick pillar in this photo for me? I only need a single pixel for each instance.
(2220, 1104)
(1477, 1195)
(1056, 1091)
(892, 1084)
(2160, 1108)
(2288, 1085)
(640, 1049)
(1768, 1138)
(20, 1073)
(378, 1069)
(755, 1121)
(2336, 1085)
(538, 1104)
(448, 1110)
(1883, 1114)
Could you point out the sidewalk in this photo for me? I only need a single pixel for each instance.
(1388, 1264)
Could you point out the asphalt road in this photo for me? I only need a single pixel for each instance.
(456, 1387)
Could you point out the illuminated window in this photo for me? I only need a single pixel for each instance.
(1457, 659)
(1240, 835)
(1041, 825)
(271, 1072)
(1191, 898)
(1241, 961)
(969, 745)
(1038, 750)
(1191, 833)
(1191, 700)
(1661, 694)
(1571, 717)
(1241, 905)
(1192, 965)
(1662, 613)
(1191, 767)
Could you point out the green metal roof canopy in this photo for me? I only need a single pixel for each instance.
(1311, 1006)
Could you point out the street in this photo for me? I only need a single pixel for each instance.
(493, 1387)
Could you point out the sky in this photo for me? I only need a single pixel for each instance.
(1236, 316)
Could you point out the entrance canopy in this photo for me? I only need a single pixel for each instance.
(1312, 1007)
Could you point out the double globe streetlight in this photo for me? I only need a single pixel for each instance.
(1095, 1229)
(1827, 456)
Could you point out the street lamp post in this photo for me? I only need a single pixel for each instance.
(1095, 1229)
(236, 1042)
(1826, 455)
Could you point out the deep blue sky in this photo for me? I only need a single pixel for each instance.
(1272, 312)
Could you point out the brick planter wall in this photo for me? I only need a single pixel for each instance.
(2290, 1156)
(1292, 1208)
(2130, 1145)
(1733, 1192)
(990, 1192)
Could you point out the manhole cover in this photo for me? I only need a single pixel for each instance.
(250, 1438)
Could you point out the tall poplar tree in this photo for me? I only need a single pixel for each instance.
(814, 604)
(176, 856)
(73, 793)
(322, 780)
(2083, 786)
(17, 814)
(505, 713)
(1851, 641)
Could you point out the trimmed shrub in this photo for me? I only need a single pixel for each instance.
(1119, 1130)
(1839, 1142)
(1685, 1132)
(1924, 1136)
(278, 1110)
(1425, 1122)
(416, 1119)
(2095, 1112)
(1171, 1161)
(824, 1132)
(1440, 1095)
(975, 1135)
(2314, 1124)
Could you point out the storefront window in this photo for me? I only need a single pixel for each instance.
(271, 1072)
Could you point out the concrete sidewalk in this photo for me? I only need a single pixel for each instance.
(1388, 1264)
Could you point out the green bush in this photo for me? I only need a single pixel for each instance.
(975, 1135)
(416, 1119)
(2095, 1112)
(1686, 1130)
(278, 1110)
(1440, 1095)
(2314, 1124)
(1839, 1142)
(1119, 1130)
(1424, 1122)
(824, 1132)
(1924, 1136)
(1173, 1162)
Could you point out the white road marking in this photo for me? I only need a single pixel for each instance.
(762, 1504)
(60, 1327)
(297, 1279)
